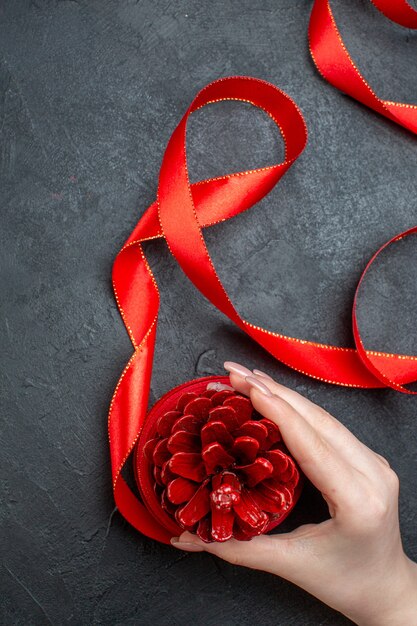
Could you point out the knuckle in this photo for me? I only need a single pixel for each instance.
(387, 476)
(369, 511)
(319, 448)
(321, 416)
(316, 451)
(324, 420)
(383, 459)
(375, 513)
(328, 422)
(392, 480)
(227, 553)
(234, 559)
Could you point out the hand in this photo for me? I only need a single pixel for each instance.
(354, 562)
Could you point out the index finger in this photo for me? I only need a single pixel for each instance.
(319, 461)
(354, 451)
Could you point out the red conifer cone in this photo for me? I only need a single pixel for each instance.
(219, 469)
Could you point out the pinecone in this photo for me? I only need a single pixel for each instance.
(220, 469)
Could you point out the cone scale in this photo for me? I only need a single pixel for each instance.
(208, 463)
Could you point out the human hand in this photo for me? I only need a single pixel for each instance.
(354, 562)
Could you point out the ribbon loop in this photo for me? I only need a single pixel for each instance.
(399, 11)
(384, 372)
(335, 64)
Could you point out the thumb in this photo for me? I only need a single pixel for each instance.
(274, 554)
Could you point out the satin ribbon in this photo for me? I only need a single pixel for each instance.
(335, 64)
(180, 213)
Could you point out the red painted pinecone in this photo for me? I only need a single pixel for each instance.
(221, 470)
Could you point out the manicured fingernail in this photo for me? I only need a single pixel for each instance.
(219, 387)
(256, 384)
(185, 545)
(235, 368)
(259, 373)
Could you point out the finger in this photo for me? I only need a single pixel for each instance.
(326, 424)
(302, 404)
(341, 438)
(306, 407)
(269, 553)
(339, 481)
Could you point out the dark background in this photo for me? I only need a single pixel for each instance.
(90, 92)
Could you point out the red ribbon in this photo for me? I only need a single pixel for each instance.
(335, 64)
(178, 216)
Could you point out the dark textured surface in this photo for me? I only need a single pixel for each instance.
(90, 92)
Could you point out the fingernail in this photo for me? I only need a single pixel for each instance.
(219, 387)
(240, 370)
(259, 373)
(256, 384)
(185, 545)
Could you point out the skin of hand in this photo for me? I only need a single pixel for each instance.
(354, 561)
